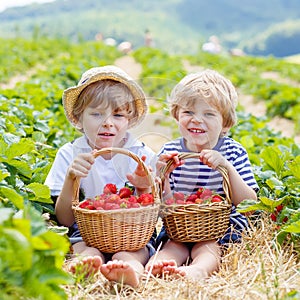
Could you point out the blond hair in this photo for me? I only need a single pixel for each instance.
(109, 94)
(209, 86)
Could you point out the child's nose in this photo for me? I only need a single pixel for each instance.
(197, 118)
(108, 121)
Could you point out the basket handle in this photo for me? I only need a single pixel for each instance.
(103, 151)
(185, 155)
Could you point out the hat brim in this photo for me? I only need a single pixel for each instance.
(70, 95)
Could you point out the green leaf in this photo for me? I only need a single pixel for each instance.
(22, 166)
(250, 205)
(22, 147)
(40, 191)
(293, 227)
(13, 196)
(272, 158)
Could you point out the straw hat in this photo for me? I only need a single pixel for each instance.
(70, 95)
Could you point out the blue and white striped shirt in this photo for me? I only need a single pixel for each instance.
(193, 174)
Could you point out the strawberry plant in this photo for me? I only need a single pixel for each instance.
(31, 257)
(279, 181)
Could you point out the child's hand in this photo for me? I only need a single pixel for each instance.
(140, 178)
(164, 158)
(81, 165)
(213, 158)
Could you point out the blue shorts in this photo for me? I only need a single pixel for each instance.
(237, 224)
(76, 237)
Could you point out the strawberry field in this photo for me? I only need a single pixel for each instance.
(33, 126)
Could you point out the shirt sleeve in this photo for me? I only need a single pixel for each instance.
(57, 173)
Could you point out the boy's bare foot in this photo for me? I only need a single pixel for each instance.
(190, 272)
(157, 268)
(87, 265)
(120, 271)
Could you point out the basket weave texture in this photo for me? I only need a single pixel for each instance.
(112, 231)
(196, 222)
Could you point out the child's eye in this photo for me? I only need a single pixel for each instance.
(119, 115)
(188, 112)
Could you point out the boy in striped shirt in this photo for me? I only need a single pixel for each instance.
(204, 105)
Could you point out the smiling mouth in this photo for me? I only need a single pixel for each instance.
(106, 134)
(196, 130)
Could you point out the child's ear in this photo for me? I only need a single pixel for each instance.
(225, 131)
(78, 125)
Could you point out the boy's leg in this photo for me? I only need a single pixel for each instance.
(87, 259)
(206, 257)
(126, 267)
(172, 254)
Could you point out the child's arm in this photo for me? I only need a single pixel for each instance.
(162, 161)
(240, 189)
(79, 168)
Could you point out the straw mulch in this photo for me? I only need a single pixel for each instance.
(256, 269)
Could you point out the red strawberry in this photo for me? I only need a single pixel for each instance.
(99, 203)
(279, 208)
(90, 207)
(206, 194)
(199, 201)
(110, 206)
(113, 198)
(180, 201)
(132, 199)
(125, 192)
(178, 196)
(216, 198)
(133, 205)
(199, 192)
(170, 201)
(110, 188)
(85, 203)
(273, 217)
(146, 199)
(192, 198)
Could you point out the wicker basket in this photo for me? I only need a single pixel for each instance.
(117, 230)
(196, 222)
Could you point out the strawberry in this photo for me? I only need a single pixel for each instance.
(110, 206)
(123, 205)
(199, 192)
(279, 208)
(113, 198)
(273, 217)
(199, 201)
(206, 194)
(178, 196)
(216, 198)
(99, 203)
(146, 199)
(133, 205)
(192, 198)
(125, 192)
(180, 201)
(110, 188)
(132, 199)
(170, 201)
(85, 203)
(90, 207)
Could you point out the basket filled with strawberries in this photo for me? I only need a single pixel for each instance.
(200, 216)
(117, 220)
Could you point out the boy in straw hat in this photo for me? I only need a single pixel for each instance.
(203, 104)
(103, 106)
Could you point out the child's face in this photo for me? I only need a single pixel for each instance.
(104, 127)
(200, 125)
